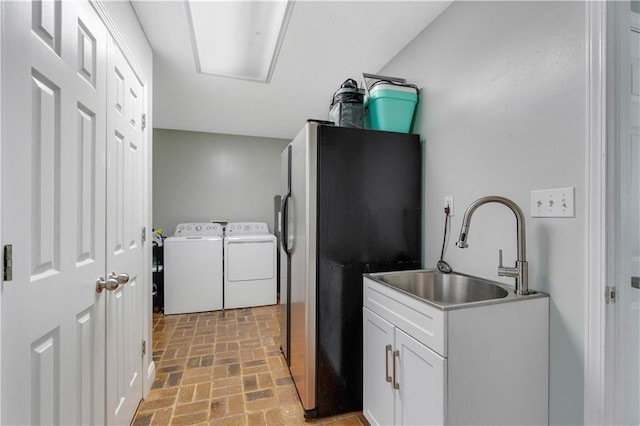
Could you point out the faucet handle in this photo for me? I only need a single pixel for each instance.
(504, 271)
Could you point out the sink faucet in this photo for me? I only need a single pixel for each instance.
(521, 271)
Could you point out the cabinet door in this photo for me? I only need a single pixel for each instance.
(378, 399)
(420, 375)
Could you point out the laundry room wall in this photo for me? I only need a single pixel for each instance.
(503, 111)
(203, 176)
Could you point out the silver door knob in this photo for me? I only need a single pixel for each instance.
(120, 278)
(110, 284)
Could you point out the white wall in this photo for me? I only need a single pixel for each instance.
(125, 18)
(203, 176)
(502, 112)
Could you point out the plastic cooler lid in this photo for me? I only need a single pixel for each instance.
(390, 86)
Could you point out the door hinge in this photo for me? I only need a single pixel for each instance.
(7, 274)
(143, 121)
(144, 347)
(610, 295)
(144, 234)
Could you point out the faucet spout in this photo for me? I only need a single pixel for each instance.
(521, 271)
(462, 240)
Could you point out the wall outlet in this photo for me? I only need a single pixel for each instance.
(448, 201)
(553, 202)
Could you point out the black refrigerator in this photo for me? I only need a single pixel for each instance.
(351, 204)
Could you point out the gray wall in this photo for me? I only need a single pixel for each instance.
(502, 112)
(202, 176)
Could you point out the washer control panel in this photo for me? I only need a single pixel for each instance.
(247, 228)
(198, 229)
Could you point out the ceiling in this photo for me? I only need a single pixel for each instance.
(326, 42)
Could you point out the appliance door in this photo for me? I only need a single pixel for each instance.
(250, 260)
(284, 250)
(193, 267)
(369, 220)
(302, 232)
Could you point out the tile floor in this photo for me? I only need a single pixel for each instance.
(224, 368)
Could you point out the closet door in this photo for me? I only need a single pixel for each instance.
(124, 234)
(53, 212)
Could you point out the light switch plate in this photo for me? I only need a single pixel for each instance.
(553, 202)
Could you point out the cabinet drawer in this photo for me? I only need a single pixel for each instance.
(421, 321)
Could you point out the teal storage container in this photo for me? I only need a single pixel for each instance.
(390, 106)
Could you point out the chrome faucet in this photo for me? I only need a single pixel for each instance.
(521, 271)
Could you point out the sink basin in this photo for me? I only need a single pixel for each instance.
(445, 289)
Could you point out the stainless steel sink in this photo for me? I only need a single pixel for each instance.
(443, 289)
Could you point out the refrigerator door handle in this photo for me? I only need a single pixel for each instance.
(284, 207)
(284, 217)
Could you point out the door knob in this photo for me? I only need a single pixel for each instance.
(120, 278)
(110, 284)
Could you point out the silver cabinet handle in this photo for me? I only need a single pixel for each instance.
(396, 354)
(110, 284)
(386, 364)
(120, 278)
(635, 282)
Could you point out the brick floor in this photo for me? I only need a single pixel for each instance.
(224, 368)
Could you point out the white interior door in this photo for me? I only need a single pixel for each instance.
(628, 321)
(53, 212)
(124, 234)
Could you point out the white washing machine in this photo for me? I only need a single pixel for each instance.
(193, 280)
(249, 265)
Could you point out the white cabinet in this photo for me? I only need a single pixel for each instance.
(420, 380)
(378, 392)
(486, 364)
(403, 379)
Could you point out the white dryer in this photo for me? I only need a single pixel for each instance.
(193, 280)
(249, 265)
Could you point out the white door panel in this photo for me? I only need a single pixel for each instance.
(61, 177)
(53, 212)
(124, 235)
(628, 305)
